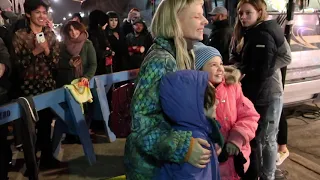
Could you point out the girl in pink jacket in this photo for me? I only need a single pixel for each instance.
(235, 113)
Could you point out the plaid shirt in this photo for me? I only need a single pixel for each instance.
(34, 72)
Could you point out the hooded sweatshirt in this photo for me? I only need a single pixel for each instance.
(182, 100)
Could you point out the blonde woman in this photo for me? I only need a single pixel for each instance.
(256, 53)
(153, 141)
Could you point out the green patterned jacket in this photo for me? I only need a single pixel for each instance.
(153, 140)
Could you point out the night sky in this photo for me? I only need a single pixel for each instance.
(61, 8)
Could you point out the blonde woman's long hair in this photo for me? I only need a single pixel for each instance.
(259, 5)
(165, 23)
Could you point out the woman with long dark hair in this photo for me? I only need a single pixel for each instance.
(117, 41)
(98, 22)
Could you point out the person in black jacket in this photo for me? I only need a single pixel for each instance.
(5, 151)
(127, 26)
(138, 44)
(221, 33)
(98, 22)
(255, 54)
(117, 41)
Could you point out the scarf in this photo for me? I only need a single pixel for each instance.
(74, 47)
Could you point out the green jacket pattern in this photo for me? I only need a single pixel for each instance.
(153, 140)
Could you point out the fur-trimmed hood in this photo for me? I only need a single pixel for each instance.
(231, 75)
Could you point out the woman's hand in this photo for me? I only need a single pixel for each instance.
(75, 62)
(84, 81)
(200, 156)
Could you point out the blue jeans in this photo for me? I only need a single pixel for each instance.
(267, 137)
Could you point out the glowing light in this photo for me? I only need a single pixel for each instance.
(279, 5)
(64, 18)
(59, 38)
(50, 10)
(69, 14)
(55, 0)
(82, 14)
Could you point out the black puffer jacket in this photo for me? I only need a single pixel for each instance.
(220, 38)
(257, 60)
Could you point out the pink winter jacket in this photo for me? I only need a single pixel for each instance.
(239, 122)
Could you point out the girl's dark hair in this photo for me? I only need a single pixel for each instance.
(31, 5)
(78, 15)
(76, 25)
(209, 97)
(112, 14)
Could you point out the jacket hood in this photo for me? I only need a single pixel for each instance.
(273, 28)
(221, 24)
(182, 98)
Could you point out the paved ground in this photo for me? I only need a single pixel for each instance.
(302, 164)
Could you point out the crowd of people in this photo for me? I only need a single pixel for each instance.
(203, 107)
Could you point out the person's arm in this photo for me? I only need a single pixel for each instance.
(4, 58)
(92, 62)
(64, 61)
(284, 55)
(54, 55)
(19, 59)
(155, 136)
(234, 58)
(244, 129)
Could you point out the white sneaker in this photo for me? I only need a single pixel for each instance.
(281, 157)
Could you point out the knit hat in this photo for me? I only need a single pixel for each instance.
(204, 53)
(138, 20)
(4, 4)
(218, 10)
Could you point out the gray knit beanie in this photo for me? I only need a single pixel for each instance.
(204, 53)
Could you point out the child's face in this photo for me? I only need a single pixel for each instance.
(215, 69)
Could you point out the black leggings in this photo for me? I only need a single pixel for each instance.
(283, 130)
(283, 125)
(253, 170)
(5, 150)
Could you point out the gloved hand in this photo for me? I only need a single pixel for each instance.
(232, 149)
